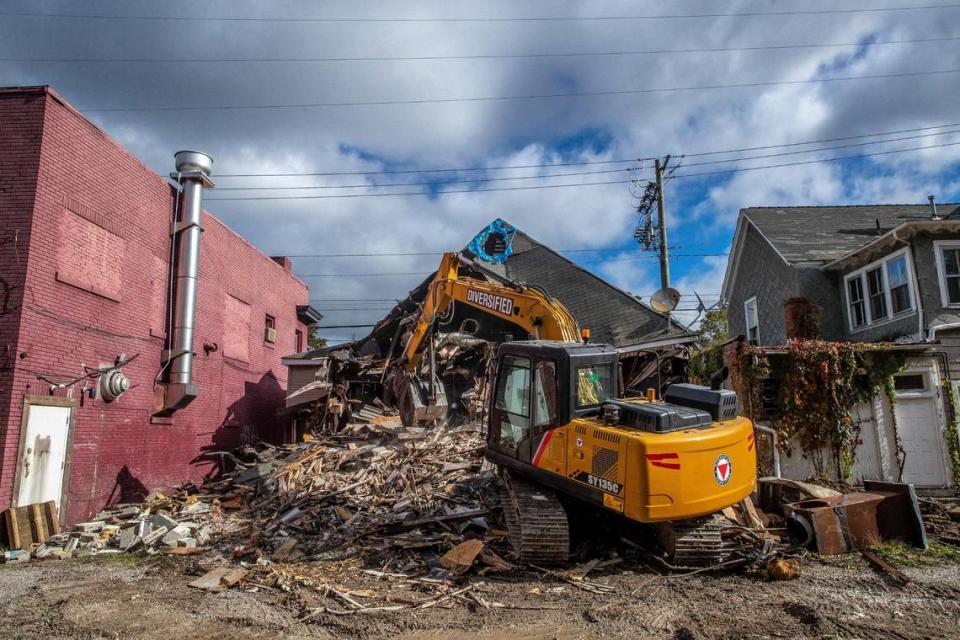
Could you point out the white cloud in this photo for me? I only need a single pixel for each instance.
(494, 133)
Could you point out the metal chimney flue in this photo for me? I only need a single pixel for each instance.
(192, 176)
(933, 208)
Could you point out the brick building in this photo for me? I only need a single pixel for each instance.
(85, 254)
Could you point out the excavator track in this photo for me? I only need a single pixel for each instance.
(536, 521)
(697, 542)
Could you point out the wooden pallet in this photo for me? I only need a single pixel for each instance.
(31, 524)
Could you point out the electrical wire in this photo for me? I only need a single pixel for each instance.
(591, 262)
(570, 164)
(395, 20)
(584, 184)
(441, 252)
(581, 173)
(493, 56)
(541, 96)
(794, 164)
(439, 183)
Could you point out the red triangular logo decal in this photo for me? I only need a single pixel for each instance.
(722, 468)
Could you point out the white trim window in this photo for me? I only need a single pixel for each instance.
(881, 291)
(751, 318)
(948, 270)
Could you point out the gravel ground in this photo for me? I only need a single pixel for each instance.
(123, 597)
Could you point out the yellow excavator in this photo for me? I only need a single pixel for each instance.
(557, 431)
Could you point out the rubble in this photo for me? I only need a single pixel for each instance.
(406, 516)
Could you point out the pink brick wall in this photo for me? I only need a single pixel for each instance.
(115, 303)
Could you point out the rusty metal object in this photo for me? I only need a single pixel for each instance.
(899, 515)
(862, 519)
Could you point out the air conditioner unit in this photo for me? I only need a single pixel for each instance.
(270, 335)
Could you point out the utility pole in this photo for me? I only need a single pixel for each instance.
(664, 257)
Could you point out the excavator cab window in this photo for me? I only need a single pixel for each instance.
(545, 394)
(594, 385)
(512, 401)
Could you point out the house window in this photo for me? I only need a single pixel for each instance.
(878, 294)
(882, 290)
(752, 320)
(298, 340)
(948, 262)
(269, 329)
(899, 285)
(858, 307)
(910, 382)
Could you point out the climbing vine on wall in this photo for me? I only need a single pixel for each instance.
(890, 391)
(815, 386)
(953, 432)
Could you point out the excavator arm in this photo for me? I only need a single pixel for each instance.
(528, 308)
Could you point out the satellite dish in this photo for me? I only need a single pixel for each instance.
(665, 300)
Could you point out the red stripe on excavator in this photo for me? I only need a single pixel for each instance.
(542, 448)
(656, 459)
(750, 440)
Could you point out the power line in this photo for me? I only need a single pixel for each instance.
(832, 148)
(426, 273)
(582, 184)
(571, 164)
(493, 56)
(438, 183)
(542, 96)
(346, 326)
(577, 173)
(663, 16)
(793, 164)
(797, 144)
(379, 254)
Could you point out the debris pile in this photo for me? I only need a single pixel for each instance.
(339, 497)
(160, 524)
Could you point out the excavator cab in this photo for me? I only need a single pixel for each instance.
(541, 385)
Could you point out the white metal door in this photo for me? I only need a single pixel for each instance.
(44, 454)
(866, 461)
(919, 423)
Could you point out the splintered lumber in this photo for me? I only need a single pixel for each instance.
(219, 579)
(285, 550)
(461, 557)
(878, 562)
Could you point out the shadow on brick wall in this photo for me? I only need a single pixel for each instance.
(250, 420)
(127, 488)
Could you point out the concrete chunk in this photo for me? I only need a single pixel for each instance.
(179, 532)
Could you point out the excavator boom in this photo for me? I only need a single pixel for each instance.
(533, 311)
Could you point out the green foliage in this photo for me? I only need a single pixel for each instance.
(314, 339)
(903, 555)
(820, 383)
(706, 357)
(713, 328)
(952, 432)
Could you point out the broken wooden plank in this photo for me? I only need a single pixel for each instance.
(898, 576)
(459, 559)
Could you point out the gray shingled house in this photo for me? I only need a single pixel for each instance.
(880, 273)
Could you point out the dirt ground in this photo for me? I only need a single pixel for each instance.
(126, 597)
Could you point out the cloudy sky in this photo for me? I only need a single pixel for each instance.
(299, 87)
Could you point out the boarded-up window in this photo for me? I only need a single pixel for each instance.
(89, 257)
(236, 329)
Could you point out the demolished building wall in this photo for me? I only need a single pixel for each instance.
(649, 342)
(89, 240)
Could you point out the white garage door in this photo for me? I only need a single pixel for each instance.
(919, 422)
